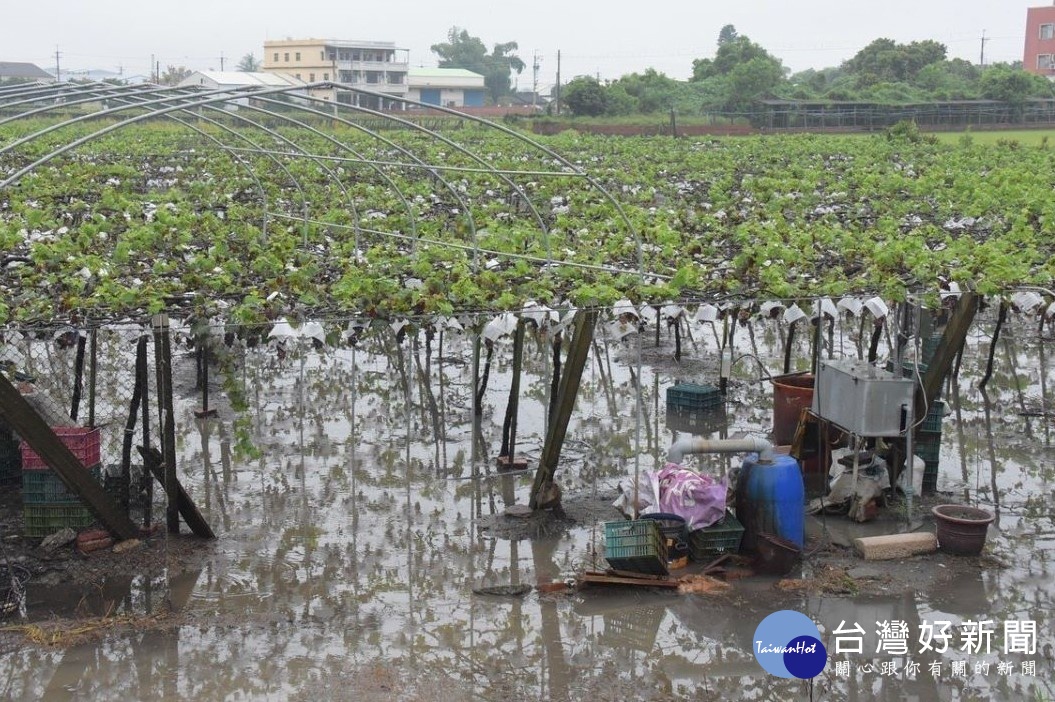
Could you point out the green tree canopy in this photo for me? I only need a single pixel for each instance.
(727, 34)
(886, 61)
(585, 97)
(174, 74)
(461, 50)
(249, 63)
(731, 53)
(1012, 85)
(740, 72)
(654, 91)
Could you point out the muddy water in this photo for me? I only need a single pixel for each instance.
(356, 513)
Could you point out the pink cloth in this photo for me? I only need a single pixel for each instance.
(699, 499)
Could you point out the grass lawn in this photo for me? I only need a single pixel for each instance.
(1026, 137)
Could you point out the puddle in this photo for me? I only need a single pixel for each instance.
(355, 518)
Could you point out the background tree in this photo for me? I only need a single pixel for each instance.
(886, 61)
(740, 73)
(653, 91)
(249, 63)
(461, 50)
(585, 97)
(1013, 85)
(727, 34)
(730, 54)
(174, 74)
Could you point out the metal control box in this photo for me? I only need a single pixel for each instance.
(863, 399)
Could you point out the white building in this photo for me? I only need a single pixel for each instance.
(222, 80)
(447, 87)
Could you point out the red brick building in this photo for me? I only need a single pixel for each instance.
(1039, 56)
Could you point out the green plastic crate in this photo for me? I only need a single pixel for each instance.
(41, 487)
(928, 346)
(935, 415)
(930, 476)
(710, 542)
(42, 520)
(631, 527)
(636, 546)
(697, 421)
(929, 449)
(691, 396)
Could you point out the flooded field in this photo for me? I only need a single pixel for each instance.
(355, 513)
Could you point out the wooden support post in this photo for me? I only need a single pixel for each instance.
(146, 485)
(130, 427)
(152, 465)
(93, 371)
(787, 347)
(509, 427)
(578, 352)
(27, 422)
(78, 378)
(163, 356)
(203, 355)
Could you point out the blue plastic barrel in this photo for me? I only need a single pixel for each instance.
(770, 499)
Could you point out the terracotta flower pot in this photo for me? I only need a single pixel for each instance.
(961, 528)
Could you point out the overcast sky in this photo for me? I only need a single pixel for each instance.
(608, 38)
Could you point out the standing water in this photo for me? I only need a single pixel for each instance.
(357, 506)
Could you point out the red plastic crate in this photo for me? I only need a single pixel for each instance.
(83, 442)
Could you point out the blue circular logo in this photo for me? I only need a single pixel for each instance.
(787, 644)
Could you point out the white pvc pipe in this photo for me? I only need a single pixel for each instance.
(697, 445)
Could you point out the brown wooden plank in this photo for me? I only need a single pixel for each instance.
(634, 574)
(25, 420)
(713, 565)
(589, 578)
(187, 508)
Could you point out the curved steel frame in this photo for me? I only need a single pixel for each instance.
(151, 102)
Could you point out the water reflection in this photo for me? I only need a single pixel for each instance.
(352, 493)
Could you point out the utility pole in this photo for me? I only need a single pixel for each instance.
(981, 61)
(557, 111)
(535, 63)
(152, 78)
(221, 62)
(58, 73)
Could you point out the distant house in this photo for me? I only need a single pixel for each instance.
(98, 75)
(1039, 54)
(11, 71)
(446, 87)
(376, 66)
(222, 80)
(528, 97)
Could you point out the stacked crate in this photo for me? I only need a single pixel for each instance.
(722, 537)
(928, 438)
(928, 444)
(694, 408)
(636, 546)
(46, 502)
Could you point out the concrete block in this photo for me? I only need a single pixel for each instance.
(885, 548)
